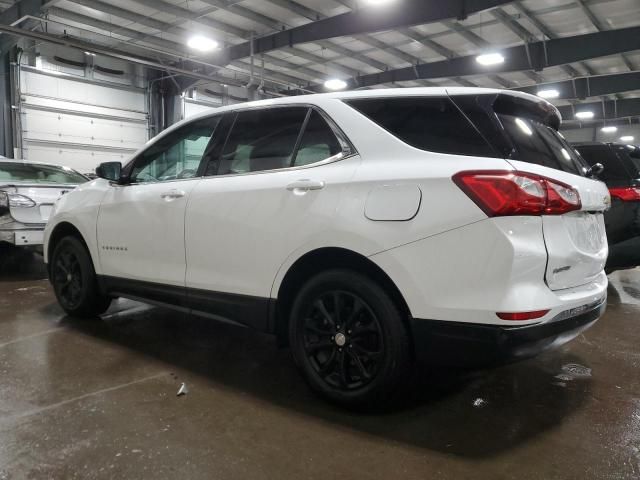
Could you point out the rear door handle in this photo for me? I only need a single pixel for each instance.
(303, 186)
(172, 195)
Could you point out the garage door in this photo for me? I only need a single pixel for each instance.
(79, 123)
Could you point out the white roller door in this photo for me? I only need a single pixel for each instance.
(79, 123)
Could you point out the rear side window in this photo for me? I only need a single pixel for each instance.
(614, 170)
(318, 142)
(433, 124)
(262, 140)
(631, 157)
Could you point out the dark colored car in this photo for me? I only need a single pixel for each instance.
(622, 175)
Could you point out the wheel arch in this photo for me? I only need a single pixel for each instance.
(323, 259)
(60, 231)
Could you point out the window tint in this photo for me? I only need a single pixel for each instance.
(538, 143)
(318, 142)
(613, 168)
(630, 155)
(175, 156)
(262, 140)
(428, 123)
(34, 173)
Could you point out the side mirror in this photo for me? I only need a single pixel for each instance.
(111, 171)
(595, 170)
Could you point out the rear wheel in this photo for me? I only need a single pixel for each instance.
(74, 280)
(348, 338)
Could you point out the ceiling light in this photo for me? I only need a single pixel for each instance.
(627, 138)
(487, 59)
(585, 115)
(90, 54)
(549, 93)
(203, 44)
(335, 84)
(609, 129)
(377, 2)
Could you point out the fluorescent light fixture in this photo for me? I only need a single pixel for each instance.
(377, 2)
(335, 84)
(90, 54)
(201, 43)
(551, 93)
(584, 115)
(609, 129)
(488, 59)
(627, 138)
(524, 127)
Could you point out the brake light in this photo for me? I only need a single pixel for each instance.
(506, 193)
(522, 315)
(628, 194)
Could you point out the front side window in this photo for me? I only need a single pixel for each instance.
(263, 139)
(177, 155)
(433, 124)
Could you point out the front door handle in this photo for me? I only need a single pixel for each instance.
(172, 195)
(303, 186)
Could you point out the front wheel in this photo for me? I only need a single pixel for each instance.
(74, 280)
(348, 338)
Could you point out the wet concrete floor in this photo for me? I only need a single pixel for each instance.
(97, 399)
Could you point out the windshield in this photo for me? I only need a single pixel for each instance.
(34, 173)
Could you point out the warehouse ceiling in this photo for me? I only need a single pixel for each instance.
(584, 49)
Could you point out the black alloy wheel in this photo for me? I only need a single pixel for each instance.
(348, 338)
(74, 280)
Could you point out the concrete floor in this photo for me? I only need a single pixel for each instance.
(98, 400)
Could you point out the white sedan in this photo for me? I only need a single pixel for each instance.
(366, 229)
(28, 191)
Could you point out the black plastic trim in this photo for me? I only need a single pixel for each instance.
(472, 344)
(246, 310)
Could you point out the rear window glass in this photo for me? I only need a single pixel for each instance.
(433, 124)
(535, 142)
(633, 164)
(613, 171)
(34, 173)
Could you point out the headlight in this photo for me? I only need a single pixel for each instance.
(15, 200)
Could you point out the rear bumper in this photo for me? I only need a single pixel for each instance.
(470, 344)
(32, 236)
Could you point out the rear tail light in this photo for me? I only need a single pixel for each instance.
(507, 193)
(628, 194)
(15, 200)
(522, 315)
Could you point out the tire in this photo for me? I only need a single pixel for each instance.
(361, 362)
(74, 280)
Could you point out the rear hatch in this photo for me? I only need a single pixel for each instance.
(524, 130)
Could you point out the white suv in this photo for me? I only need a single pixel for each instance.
(366, 229)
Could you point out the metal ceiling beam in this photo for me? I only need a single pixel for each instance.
(551, 53)
(365, 20)
(17, 12)
(603, 110)
(600, 26)
(596, 86)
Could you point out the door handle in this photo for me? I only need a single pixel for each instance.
(303, 186)
(172, 195)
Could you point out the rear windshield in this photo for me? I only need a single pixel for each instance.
(33, 173)
(633, 164)
(522, 130)
(614, 168)
(433, 124)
